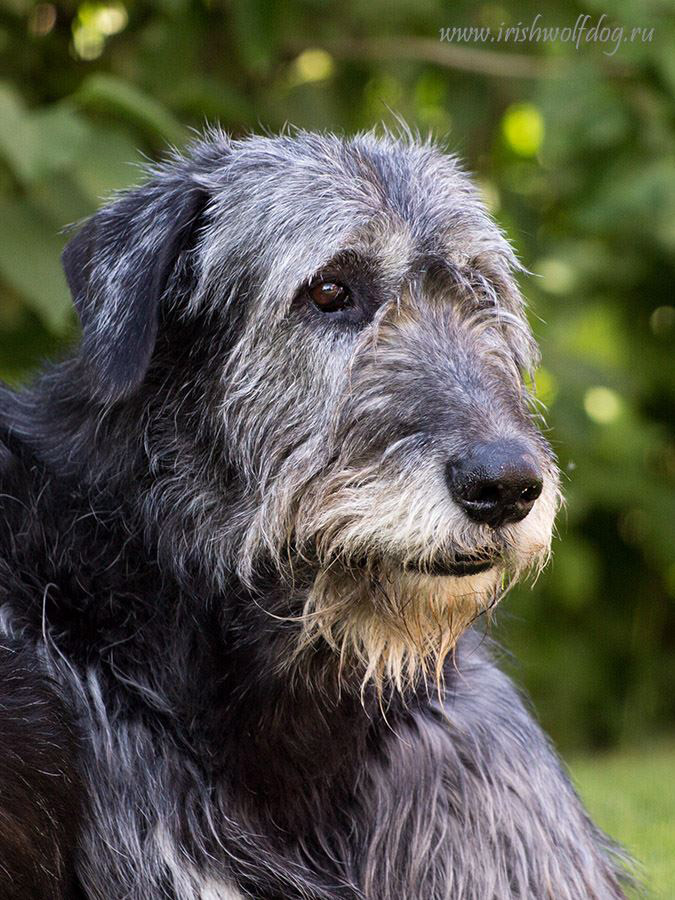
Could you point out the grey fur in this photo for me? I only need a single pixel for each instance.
(284, 473)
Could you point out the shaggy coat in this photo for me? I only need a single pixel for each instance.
(230, 559)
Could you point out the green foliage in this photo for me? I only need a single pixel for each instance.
(575, 152)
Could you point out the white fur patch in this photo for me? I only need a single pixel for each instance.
(189, 883)
(210, 889)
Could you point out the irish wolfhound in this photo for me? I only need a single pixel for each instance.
(246, 528)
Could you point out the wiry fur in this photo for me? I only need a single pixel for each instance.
(224, 520)
(39, 786)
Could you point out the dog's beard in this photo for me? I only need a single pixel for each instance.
(393, 626)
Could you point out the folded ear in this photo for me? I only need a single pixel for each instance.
(118, 267)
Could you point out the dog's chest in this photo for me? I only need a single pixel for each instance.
(189, 883)
(211, 889)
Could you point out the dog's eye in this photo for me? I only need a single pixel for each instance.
(328, 296)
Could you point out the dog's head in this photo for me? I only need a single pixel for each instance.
(366, 380)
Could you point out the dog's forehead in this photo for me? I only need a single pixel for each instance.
(295, 202)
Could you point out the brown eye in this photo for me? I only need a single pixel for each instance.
(329, 296)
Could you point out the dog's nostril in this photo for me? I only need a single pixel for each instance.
(531, 492)
(496, 483)
(484, 493)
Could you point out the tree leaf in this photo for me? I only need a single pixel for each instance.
(110, 95)
(30, 262)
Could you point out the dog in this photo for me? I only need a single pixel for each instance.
(247, 529)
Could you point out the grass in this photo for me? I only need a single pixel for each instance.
(631, 795)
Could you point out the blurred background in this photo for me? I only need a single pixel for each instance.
(574, 150)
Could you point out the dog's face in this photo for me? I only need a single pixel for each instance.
(371, 399)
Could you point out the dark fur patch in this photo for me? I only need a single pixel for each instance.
(39, 784)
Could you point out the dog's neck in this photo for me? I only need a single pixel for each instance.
(248, 708)
(285, 719)
(261, 729)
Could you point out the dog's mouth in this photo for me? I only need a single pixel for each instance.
(458, 567)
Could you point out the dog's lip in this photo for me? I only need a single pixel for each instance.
(458, 567)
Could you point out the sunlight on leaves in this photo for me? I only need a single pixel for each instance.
(602, 405)
(93, 24)
(523, 128)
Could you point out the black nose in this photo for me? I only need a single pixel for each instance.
(496, 483)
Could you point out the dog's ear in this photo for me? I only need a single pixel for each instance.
(118, 267)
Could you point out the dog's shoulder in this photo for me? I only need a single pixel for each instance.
(17, 459)
(9, 457)
(21, 475)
